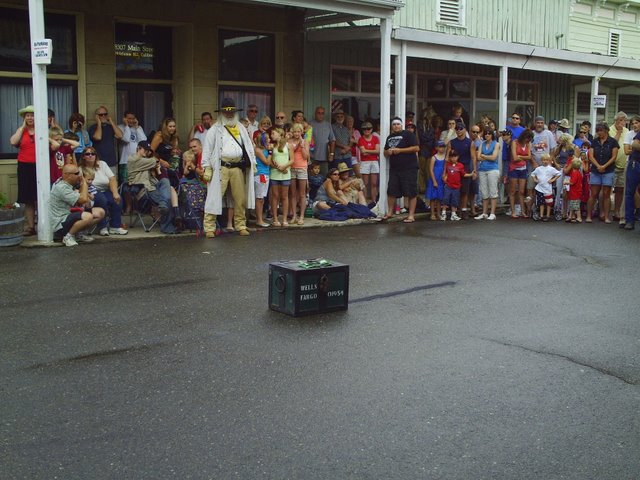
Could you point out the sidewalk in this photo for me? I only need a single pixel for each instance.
(137, 232)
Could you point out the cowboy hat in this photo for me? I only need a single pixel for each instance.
(228, 105)
(564, 123)
(28, 109)
(342, 167)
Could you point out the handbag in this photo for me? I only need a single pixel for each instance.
(246, 161)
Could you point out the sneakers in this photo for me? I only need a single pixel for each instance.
(454, 217)
(117, 231)
(491, 217)
(69, 240)
(508, 212)
(482, 216)
(82, 238)
(104, 232)
(443, 216)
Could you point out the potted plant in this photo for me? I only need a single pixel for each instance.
(11, 222)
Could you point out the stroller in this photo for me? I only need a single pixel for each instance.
(191, 197)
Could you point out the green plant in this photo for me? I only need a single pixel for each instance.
(4, 201)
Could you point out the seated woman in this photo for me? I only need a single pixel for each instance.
(329, 193)
(351, 187)
(107, 196)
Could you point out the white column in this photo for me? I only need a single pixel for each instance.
(503, 86)
(401, 82)
(36, 26)
(385, 105)
(595, 84)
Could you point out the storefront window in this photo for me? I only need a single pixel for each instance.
(143, 51)
(15, 41)
(370, 81)
(344, 80)
(437, 88)
(246, 56)
(16, 94)
(262, 97)
(486, 89)
(459, 88)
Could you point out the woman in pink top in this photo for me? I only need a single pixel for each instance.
(299, 175)
(520, 155)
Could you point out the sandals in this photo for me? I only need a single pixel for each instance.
(300, 221)
(285, 224)
(276, 224)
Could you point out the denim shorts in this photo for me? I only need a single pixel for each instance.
(604, 179)
(282, 183)
(519, 174)
(451, 197)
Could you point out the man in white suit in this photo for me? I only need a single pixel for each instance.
(228, 159)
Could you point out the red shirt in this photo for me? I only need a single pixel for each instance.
(575, 188)
(27, 149)
(57, 158)
(369, 145)
(454, 175)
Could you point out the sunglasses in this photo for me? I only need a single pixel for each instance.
(458, 129)
(515, 118)
(335, 173)
(252, 111)
(280, 118)
(103, 114)
(365, 129)
(475, 131)
(89, 154)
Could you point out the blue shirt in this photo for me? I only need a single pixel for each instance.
(488, 165)
(463, 147)
(515, 131)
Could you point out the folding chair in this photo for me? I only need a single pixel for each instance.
(141, 205)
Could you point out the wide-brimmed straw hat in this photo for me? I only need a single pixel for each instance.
(28, 109)
(342, 167)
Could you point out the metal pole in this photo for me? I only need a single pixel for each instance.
(503, 97)
(40, 105)
(385, 105)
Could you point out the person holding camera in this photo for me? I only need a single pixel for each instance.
(67, 215)
(77, 127)
(143, 168)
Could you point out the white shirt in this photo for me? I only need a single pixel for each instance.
(200, 135)
(544, 174)
(253, 127)
(129, 141)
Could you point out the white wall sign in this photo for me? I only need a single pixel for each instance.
(599, 101)
(42, 51)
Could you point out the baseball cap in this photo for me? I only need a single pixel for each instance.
(144, 144)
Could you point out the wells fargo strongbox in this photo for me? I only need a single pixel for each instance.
(305, 287)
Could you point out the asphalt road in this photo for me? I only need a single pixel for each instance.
(159, 359)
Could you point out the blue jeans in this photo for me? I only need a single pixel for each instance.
(633, 180)
(113, 210)
(162, 197)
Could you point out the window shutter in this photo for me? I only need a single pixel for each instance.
(614, 43)
(451, 12)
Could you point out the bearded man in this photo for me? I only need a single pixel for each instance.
(227, 154)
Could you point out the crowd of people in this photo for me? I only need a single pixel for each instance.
(289, 168)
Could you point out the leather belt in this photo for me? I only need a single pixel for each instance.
(231, 164)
